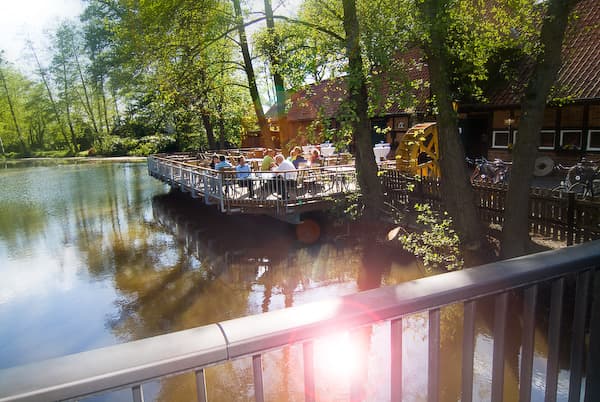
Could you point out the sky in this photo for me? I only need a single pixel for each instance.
(29, 19)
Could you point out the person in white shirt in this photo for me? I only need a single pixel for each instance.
(286, 175)
(284, 165)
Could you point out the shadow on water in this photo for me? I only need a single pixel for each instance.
(155, 264)
(231, 266)
(224, 267)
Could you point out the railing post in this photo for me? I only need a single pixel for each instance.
(396, 359)
(433, 368)
(556, 305)
(500, 308)
(578, 339)
(570, 218)
(468, 352)
(592, 380)
(259, 394)
(309, 372)
(528, 339)
(138, 393)
(201, 386)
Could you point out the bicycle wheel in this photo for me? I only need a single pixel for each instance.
(579, 189)
(559, 192)
(595, 187)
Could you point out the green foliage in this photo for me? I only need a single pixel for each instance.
(346, 209)
(437, 245)
(118, 146)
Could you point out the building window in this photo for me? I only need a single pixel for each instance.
(547, 139)
(593, 143)
(500, 139)
(570, 139)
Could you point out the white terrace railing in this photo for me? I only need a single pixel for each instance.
(262, 190)
(132, 364)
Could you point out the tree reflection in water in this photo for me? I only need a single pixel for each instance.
(231, 266)
(172, 263)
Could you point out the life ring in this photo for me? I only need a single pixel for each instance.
(543, 166)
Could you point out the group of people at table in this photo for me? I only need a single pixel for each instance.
(283, 170)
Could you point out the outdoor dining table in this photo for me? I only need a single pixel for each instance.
(341, 176)
(381, 152)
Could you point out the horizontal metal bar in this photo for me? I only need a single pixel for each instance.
(132, 363)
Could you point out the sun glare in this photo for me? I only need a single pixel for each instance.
(336, 358)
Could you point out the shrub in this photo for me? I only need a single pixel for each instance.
(437, 245)
(153, 144)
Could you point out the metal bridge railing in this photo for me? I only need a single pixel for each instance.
(268, 192)
(132, 364)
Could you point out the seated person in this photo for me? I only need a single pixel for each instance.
(298, 161)
(268, 162)
(223, 163)
(294, 153)
(243, 172)
(315, 158)
(214, 161)
(285, 175)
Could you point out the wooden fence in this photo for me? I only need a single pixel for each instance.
(563, 216)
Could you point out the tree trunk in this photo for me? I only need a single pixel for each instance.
(457, 192)
(68, 108)
(277, 77)
(13, 114)
(52, 101)
(249, 69)
(88, 105)
(515, 231)
(366, 168)
(208, 126)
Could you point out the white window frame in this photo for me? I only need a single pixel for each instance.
(553, 132)
(589, 138)
(494, 139)
(563, 132)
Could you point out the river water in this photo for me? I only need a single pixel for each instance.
(98, 253)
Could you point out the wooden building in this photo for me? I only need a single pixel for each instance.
(571, 127)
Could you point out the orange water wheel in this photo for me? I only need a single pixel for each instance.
(418, 153)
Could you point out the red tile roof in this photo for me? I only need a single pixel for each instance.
(327, 96)
(579, 75)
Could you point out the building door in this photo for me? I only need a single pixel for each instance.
(474, 135)
(377, 136)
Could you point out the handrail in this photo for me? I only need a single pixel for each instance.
(214, 185)
(132, 363)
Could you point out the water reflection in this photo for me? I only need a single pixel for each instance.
(99, 253)
(247, 265)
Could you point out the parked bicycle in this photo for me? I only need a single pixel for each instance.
(496, 171)
(583, 179)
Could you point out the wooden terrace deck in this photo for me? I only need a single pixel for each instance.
(314, 188)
